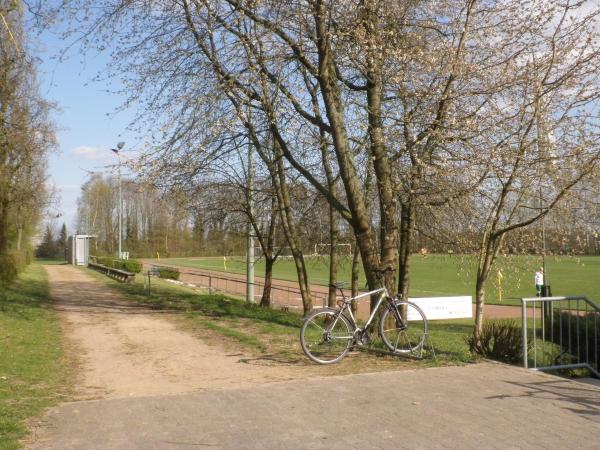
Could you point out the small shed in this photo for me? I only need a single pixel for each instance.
(78, 251)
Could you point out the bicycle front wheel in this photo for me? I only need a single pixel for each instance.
(404, 333)
(326, 337)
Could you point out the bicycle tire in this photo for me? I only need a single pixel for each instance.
(403, 338)
(322, 341)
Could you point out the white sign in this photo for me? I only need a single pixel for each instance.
(436, 308)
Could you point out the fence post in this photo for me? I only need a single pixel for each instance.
(210, 284)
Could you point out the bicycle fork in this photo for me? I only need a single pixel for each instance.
(401, 324)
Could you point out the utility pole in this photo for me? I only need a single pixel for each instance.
(117, 150)
(250, 231)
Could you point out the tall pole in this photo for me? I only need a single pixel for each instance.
(120, 210)
(546, 279)
(117, 150)
(250, 231)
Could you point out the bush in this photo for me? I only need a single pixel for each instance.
(164, 272)
(501, 340)
(19, 260)
(104, 260)
(11, 265)
(577, 335)
(129, 265)
(8, 269)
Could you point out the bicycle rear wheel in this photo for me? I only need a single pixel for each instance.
(406, 334)
(325, 337)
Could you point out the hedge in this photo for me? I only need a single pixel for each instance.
(172, 274)
(128, 265)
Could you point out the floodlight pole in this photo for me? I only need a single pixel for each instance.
(250, 231)
(117, 150)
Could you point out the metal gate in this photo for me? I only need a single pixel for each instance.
(561, 333)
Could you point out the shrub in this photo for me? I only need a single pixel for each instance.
(501, 340)
(129, 265)
(19, 260)
(11, 264)
(105, 261)
(8, 269)
(576, 334)
(164, 272)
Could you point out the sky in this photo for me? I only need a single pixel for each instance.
(87, 123)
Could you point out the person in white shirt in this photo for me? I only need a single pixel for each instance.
(539, 281)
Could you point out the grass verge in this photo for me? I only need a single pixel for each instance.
(33, 372)
(268, 332)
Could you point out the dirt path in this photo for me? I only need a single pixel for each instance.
(124, 350)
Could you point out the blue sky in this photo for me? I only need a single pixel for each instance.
(86, 120)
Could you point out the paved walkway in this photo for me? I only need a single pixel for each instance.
(470, 407)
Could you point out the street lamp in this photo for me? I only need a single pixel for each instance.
(250, 231)
(117, 151)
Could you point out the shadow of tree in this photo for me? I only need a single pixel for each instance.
(275, 359)
(580, 399)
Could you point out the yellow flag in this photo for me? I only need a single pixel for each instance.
(499, 278)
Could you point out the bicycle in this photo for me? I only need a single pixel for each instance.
(328, 334)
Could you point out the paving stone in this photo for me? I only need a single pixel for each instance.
(477, 406)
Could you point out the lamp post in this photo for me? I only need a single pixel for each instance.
(250, 231)
(117, 151)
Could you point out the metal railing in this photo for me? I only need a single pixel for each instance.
(561, 333)
(281, 295)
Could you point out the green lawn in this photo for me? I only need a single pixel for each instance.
(441, 275)
(33, 371)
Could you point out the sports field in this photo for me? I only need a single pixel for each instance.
(441, 275)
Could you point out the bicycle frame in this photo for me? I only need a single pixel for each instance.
(348, 302)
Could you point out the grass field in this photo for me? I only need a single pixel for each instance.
(442, 275)
(33, 372)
